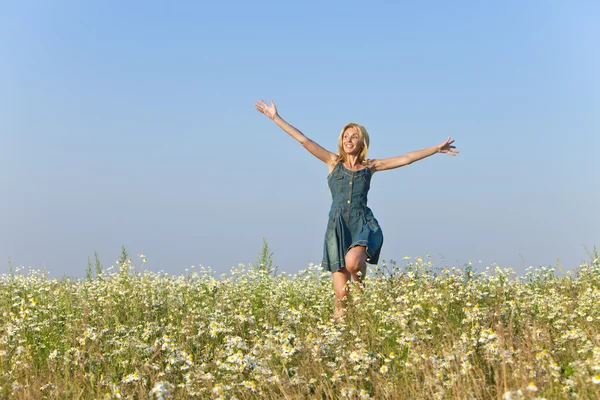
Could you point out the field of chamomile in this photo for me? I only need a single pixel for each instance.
(414, 331)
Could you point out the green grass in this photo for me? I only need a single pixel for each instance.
(413, 332)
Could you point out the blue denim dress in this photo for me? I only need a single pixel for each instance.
(351, 222)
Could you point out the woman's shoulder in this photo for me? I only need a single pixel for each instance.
(370, 165)
(333, 163)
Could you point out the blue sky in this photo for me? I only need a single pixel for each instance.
(132, 123)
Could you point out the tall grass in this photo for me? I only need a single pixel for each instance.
(413, 332)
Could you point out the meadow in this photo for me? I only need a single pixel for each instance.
(415, 331)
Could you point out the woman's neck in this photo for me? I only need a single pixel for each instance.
(352, 161)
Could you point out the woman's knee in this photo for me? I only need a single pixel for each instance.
(353, 261)
(352, 266)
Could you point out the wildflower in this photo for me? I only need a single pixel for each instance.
(531, 387)
(207, 377)
(249, 385)
(296, 381)
(90, 333)
(217, 389)
(46, 387)
(161, 390)
(384, 369)
(512, 395)
(116, 391)
(596, 379)
(354, 356)
(132, 377)
(336, 376)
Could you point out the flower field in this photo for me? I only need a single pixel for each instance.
(413, 332)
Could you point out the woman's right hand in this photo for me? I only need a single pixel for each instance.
(269, 110)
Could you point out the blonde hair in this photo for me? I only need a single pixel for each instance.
(363, 141)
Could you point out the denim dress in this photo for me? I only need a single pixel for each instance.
(351, 222)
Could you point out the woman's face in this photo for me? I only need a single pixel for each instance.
(350, 141)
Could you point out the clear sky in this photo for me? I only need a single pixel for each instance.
(132, 123)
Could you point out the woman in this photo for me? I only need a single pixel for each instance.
(353, 235)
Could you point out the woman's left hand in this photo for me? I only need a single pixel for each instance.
(447, 147)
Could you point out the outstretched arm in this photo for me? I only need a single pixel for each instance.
(409, 158)
(271, 111)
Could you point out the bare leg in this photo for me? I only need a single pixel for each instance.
(340, 280)
(356, 263)
(356, 269)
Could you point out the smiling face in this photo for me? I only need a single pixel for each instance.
(353, 141)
